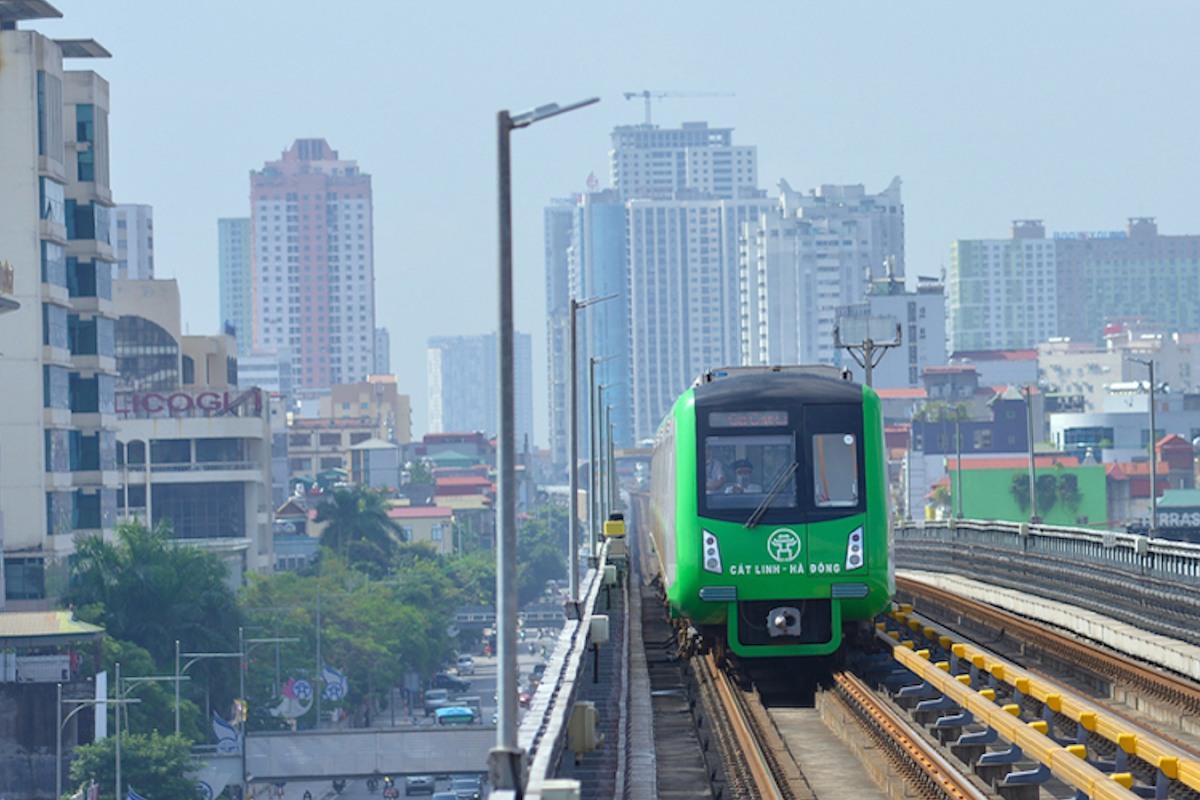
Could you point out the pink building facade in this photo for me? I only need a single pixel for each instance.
(313, 264)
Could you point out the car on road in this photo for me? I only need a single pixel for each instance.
(466, 787)
(418, 784)
(466, 665)
(444, 680)
(435, 699)
(444, 796)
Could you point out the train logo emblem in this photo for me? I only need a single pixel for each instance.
(784, 545)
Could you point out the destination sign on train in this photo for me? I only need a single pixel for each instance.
(747, 419)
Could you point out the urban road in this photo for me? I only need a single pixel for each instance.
(483, 686)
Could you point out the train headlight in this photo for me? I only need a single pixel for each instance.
(711, 557)
(855, 552)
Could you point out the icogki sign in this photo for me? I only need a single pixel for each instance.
(188, 404)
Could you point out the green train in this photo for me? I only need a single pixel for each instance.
(769, 509)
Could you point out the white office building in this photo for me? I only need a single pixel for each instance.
(269, 370)
(683, 310)
(687, 193)
(383, 352)
(804, 257)
(235, 263)
(58, 475)
(132, 238)
(656, 163)
(462, 386)
(920, 318)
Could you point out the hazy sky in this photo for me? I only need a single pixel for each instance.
(1082, 114)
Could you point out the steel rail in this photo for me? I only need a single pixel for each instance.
(1156, 750)
(1180, 693)
(941, 777)
(756, 761)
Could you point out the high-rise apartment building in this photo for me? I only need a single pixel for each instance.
(383, 352)
(1017, 292)
(683, 302)
(58, 470)
(313, 256)
(462, 386)
(686, 194)
(598, 270)
(1003, 293)
(654, 163)
(236, 261)
(132, 238)
(1136, 273)
(804, 257)
(558, 221)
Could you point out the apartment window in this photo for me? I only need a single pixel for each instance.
(435, 533)
(85, 132)
(24, 578)
(49, 110)
(406, 533)
(331, 439)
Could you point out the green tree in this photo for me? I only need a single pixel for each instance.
(359, 529)
(375, 630)
(942, 411)
(541, 547)
(475, 576)
(149, 590)
(155, 766)
(419, 473)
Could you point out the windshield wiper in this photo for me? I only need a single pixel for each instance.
(772, 493)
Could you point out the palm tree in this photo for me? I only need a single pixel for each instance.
(359, 528)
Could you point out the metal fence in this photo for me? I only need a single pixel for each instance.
(1151, 583)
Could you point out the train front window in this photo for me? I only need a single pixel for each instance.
(835, 470)
(739, 471)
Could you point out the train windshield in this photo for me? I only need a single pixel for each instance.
(835, 470)
(741, 470)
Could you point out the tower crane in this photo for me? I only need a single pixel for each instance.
(647, 95)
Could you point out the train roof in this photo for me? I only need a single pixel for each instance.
(764, 388)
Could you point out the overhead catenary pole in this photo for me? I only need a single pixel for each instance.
(505, 759)
(867, 353)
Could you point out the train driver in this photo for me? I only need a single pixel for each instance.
(744, 481)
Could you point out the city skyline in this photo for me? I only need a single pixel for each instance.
(935, 107)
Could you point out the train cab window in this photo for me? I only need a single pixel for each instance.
(740, 470)
(835, 470)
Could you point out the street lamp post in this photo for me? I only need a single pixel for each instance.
(79, 705)
(505, 759)
(1033, 517)
(593, 453)
(242, 653)
(1153, 532)
(194, 658)
(130, 684)
(573, 448)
